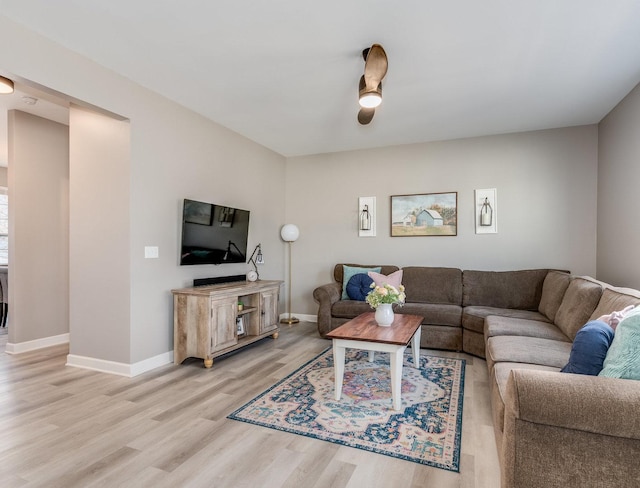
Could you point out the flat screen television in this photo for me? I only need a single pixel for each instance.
(213, 234)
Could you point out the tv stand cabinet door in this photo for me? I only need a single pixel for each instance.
(223, 323)
(269, 309)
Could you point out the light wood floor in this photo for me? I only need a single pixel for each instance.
(67, 427)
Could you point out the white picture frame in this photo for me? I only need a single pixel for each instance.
(489, 195)
(240, 325)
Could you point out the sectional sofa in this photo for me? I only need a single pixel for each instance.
(552, 429)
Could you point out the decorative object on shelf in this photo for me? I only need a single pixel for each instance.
(6, 86)
(240, 325)
(427, 214)
(367, 216)
(485, 211)
(240, 306)
(259, 259)
(381, 298)
(289, 234)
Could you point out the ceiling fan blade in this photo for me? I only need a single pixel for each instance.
(375, 66)
(365, 115)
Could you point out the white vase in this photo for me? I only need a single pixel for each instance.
(384, 314)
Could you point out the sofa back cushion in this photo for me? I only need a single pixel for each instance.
(503, 289)
(384, 269)
(553, 289)
(579, 302)
(433, 285)
(614, 300)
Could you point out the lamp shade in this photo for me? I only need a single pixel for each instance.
(289, 232)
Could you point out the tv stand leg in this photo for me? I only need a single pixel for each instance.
(275, 335)
(208, 362)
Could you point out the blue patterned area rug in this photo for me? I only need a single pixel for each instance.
(427, 430)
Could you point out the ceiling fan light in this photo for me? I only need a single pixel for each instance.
(370, 99)
(6, 85)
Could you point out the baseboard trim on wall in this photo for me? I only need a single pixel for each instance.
(120, 369)
(301, 316)
(151, 363)
(21, 347)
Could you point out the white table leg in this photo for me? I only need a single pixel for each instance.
(338, 367)
(415, 347)
(371, 356)
(397, 357)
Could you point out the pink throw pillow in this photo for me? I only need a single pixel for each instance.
(394, 279)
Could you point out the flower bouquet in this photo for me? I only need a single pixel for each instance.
(382, 298)
(385, 294)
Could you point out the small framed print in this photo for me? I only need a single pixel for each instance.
(240, 325)
(426, 214)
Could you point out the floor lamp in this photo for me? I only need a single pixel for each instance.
(289, 234)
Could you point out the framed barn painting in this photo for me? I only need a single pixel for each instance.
(426, 214)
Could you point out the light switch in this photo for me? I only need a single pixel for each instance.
(151, 252)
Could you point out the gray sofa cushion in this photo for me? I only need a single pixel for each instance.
(579, 302)
(615, 299)
(503, 289)
(473, 317)
(433, 285)
(508, 326)
(434, 314)
(348, 309)
(553, 290)
(530, 350)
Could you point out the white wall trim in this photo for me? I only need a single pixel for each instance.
(301, 316)
(151, 363)
(21, 347)
(121, 369)
(101, 365)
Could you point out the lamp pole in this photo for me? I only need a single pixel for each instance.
(289, 234)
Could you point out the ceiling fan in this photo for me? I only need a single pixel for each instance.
(370, 89)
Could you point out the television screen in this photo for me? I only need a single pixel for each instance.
(213, 234)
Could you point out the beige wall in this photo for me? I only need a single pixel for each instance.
(546, 184)
(3, 176)
(38, 179)
(174, 154)
(618, 176)
(100, 283)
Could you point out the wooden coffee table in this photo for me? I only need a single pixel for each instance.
(364, 333)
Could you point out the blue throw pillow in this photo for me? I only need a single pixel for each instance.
(589, 348)
(348, 272)
(359, 286)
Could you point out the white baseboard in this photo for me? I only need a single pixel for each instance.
(151, 363)
(121, 369)
(21, 347)
(301, 316)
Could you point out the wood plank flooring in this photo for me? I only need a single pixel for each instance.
(66, 427)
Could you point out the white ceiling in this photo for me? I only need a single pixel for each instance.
(285, 73)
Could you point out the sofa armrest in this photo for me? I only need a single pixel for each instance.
(326, 296)
(568, 430)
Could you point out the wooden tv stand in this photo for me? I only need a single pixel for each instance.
(207, 321)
